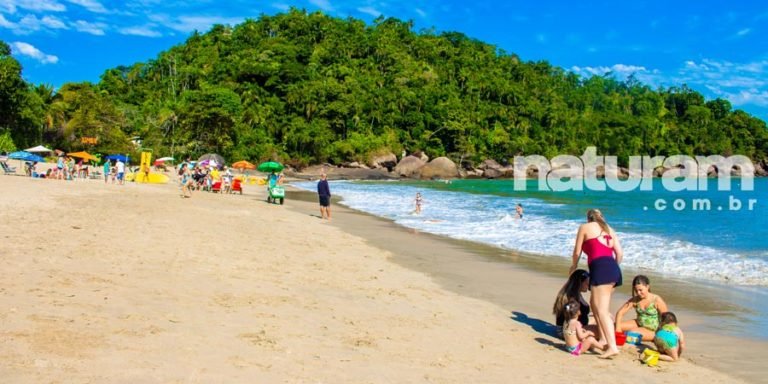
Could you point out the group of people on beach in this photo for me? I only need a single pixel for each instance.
(653, 323)
(203, 178)
(69, 168)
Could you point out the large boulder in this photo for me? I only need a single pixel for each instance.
(471, 174)
(507, 171)
(408, 166)
(421, 155)
(761, 168)
(492, 173)
(489, 164)
(354, 164)
(439, 168)
(388, 161)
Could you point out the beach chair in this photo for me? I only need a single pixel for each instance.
(7, 169)
(237, 186)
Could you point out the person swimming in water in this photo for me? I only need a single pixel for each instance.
(419, 200)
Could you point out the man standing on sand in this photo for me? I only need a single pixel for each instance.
(324, 192)
(120, 171)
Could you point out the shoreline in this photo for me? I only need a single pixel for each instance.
(490, 273)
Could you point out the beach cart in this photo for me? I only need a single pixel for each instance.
(275, 193)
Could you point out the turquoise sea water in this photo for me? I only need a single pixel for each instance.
(726, 241)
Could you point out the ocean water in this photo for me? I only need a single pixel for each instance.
(726, 242)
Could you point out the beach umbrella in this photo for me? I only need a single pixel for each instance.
(209, 163)
(38, 149)
(270, 166)
(212, 156)
(83, 155)
(162, 160)
(242, 165)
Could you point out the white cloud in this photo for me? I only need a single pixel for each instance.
(420, 12)
(621, 70)
(53, 22)
(30, 24)
(5, 23)
(91, 5)
(325, 5)
(743, 32)
(741, 83)
(92, 28)
(11, 6)
(200, 23)
(26, 49)
(369, 11)
(749, 96)
(145, 31)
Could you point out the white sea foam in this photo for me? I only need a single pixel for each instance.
(491, 220)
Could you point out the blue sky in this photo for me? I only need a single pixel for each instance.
(720, 50)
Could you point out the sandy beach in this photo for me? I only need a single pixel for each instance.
(133, 284)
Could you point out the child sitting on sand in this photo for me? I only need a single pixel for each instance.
(577, 339)
(669, 338)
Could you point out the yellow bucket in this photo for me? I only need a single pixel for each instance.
(650, 357)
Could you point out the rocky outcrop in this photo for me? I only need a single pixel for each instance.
(354, 164)
(408, 166)
(471, 174)
(421, 155)
(388, 161)
(489, 164)
(761, 168)
(439, 168)
(508, 171)
(492, 173)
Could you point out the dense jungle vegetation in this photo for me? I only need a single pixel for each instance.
(308, 88)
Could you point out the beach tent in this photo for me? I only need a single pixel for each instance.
(38, 149)
(25, 156)
(120, 157)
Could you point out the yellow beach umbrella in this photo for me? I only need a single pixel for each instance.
(83, 155)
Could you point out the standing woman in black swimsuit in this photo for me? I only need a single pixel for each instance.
(599, 241)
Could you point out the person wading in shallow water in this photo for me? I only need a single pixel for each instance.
(324, 193)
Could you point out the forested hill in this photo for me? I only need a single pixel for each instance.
(309, 88)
